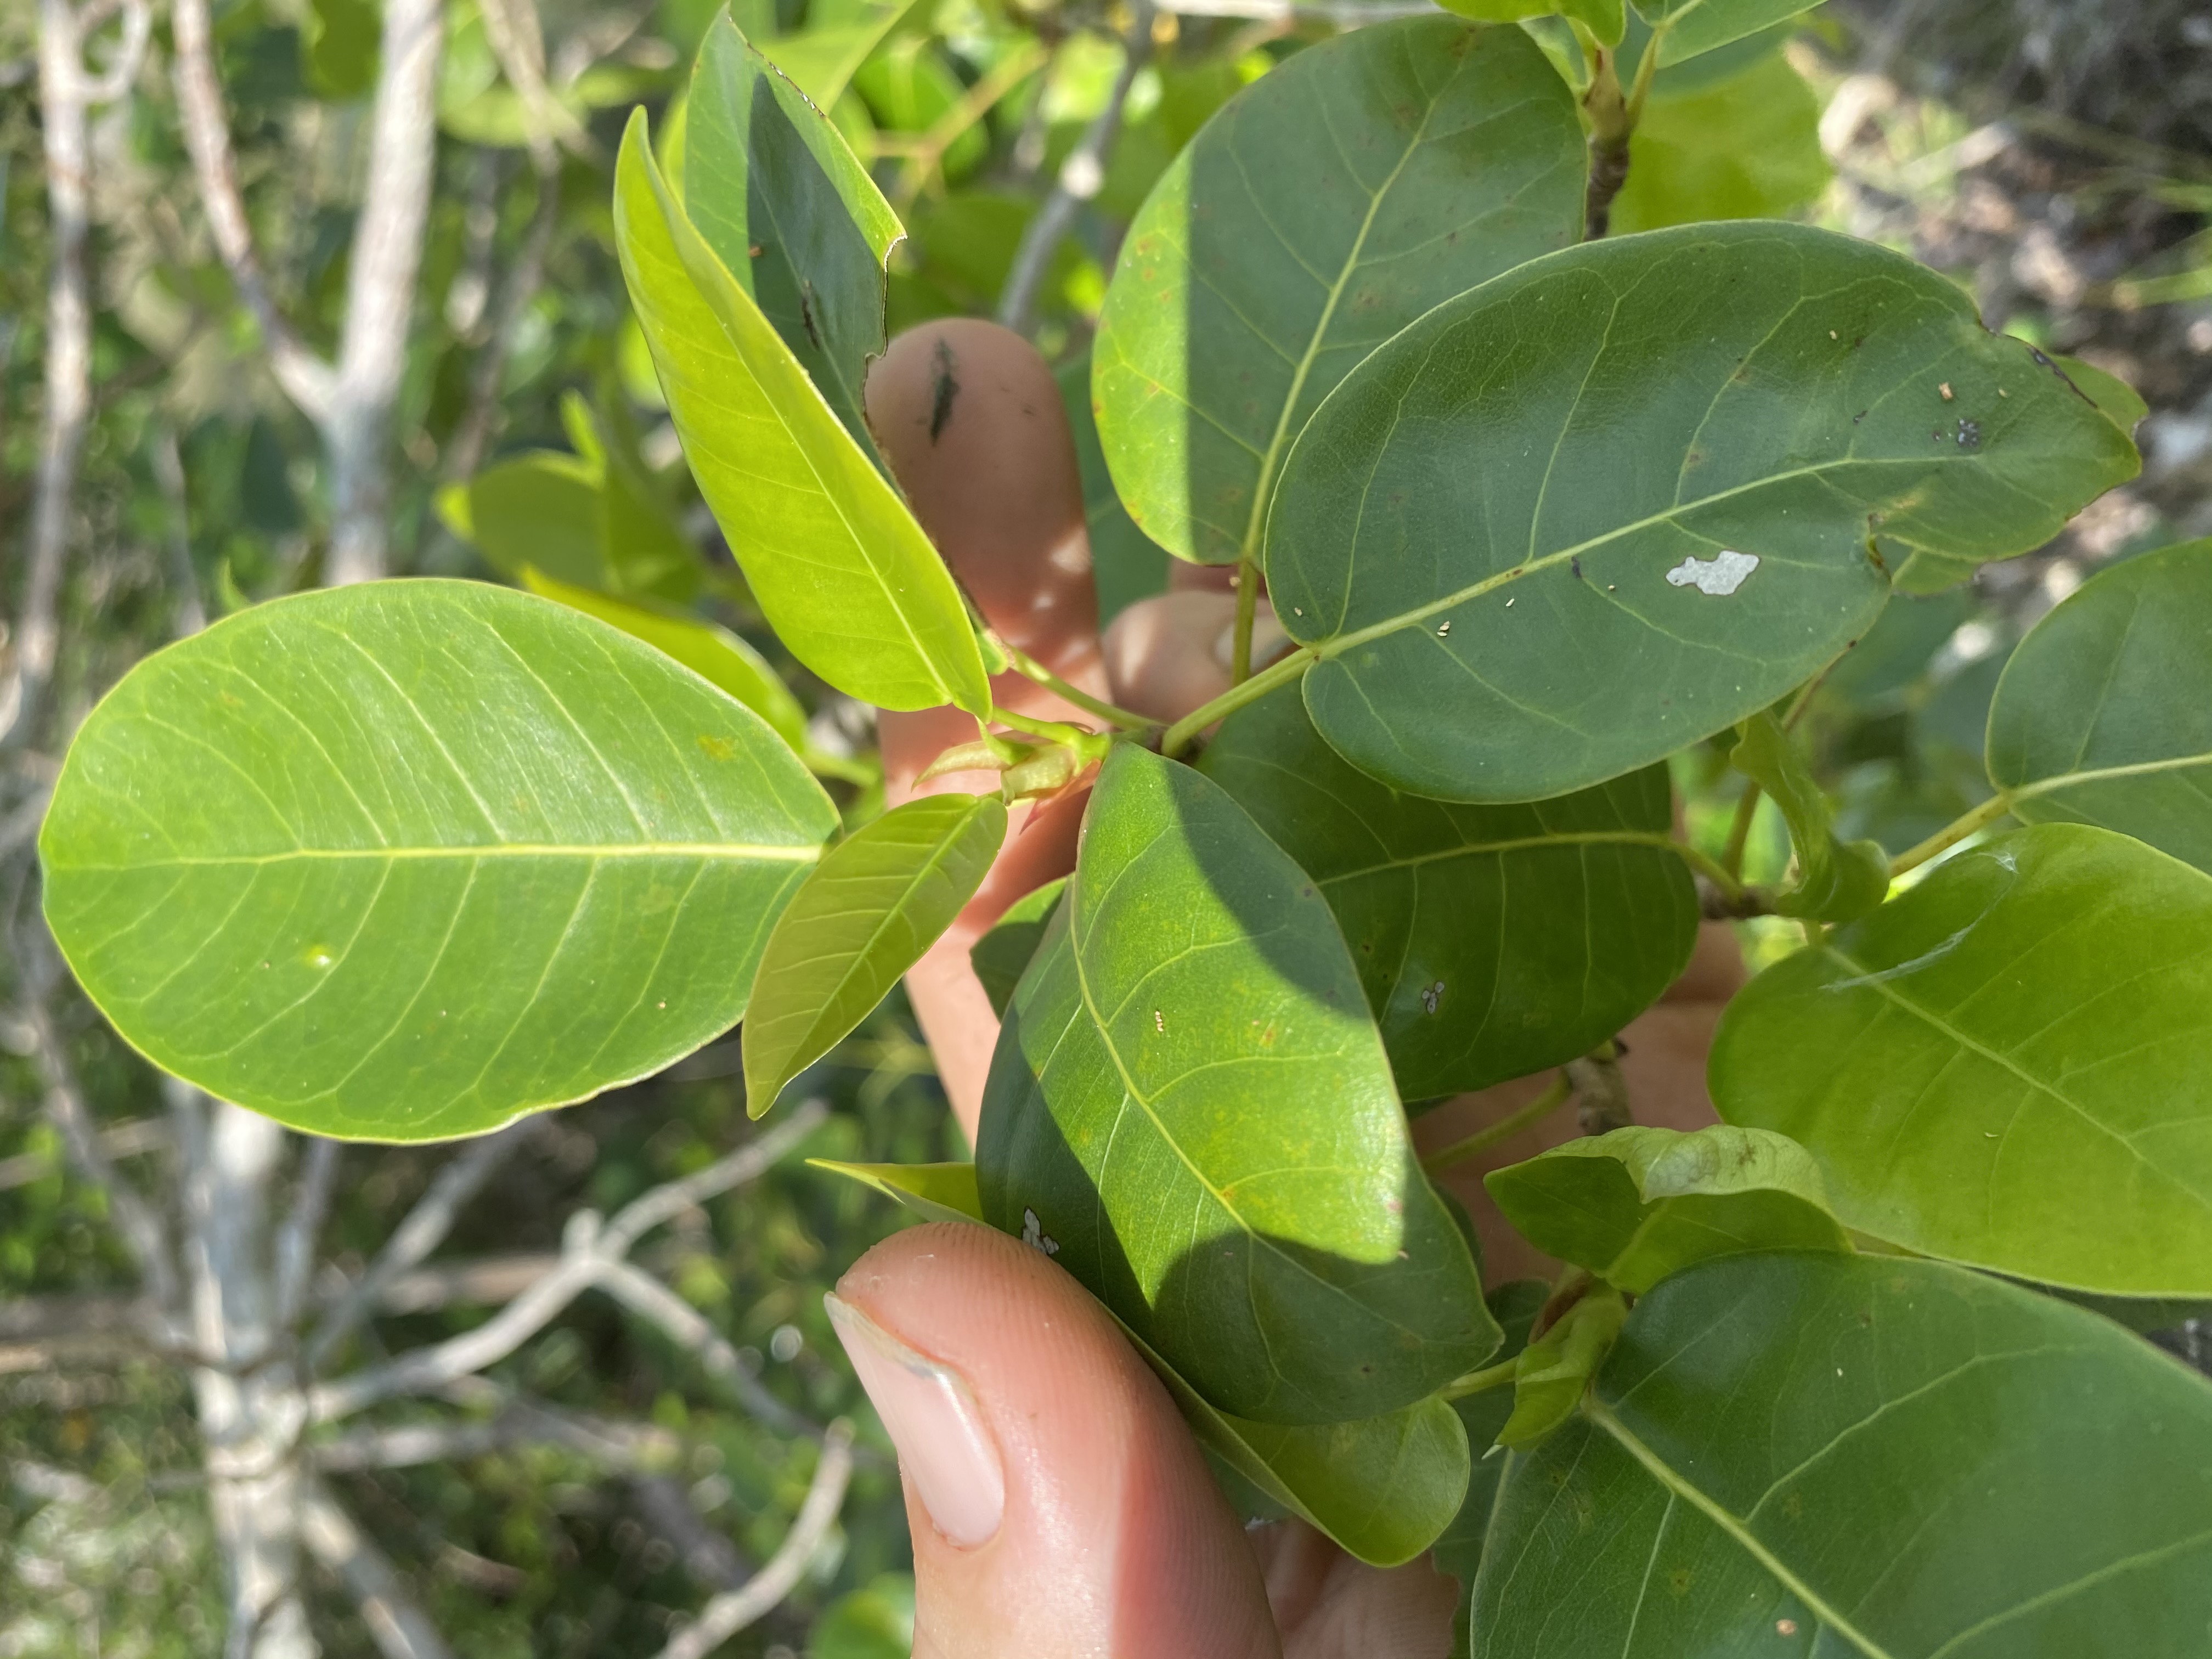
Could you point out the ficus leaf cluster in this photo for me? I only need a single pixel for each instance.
(406, 861)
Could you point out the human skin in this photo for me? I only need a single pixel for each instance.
(1100, 1533)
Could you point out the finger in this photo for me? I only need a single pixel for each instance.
(1170, 654)
(1328, 1606)
(1059, 1509)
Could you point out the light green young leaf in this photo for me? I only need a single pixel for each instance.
(2104, 712)
(1002, 956)
(1837, 881)
(935, 1192)
(1639, 1203)
(861, 919)
(541, 509)
(406, 860)
(1688, 27)
(1747, 147)
(1382, 1487)
(1862, 1457)
(1606, 19)
(1325, 207)
(1312, 1274)
(1722, 424)
(791, 214)
(1491, 941)
(823, 60)
(2005, 1066)
(844, 574)
(1555, 1371)
(713, 652)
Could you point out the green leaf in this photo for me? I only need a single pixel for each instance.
(1325, 207)
(340, 48)
(541, 509)
(1002, 956)
(1308, 1274)
(2122, 403)
(1623, 496)
(1837, 881)
(715, 654)
(1638, 1204)
(1458, 1550)
(791, 214)
(873, 1622)
(1868, 1458)
(841, 569)
(860, 919)
(935, 1192)
(1491, 941)
(1606, 19)
(1553, 1372)
(909, 87)
(1383, 1487)
(2004, 1067)
(404, 861)
(1126, 564)
(1746, 148)
(2104, 713)
(1688, 27)
(823, 60)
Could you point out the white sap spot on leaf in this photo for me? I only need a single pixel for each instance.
(1033, 1234)
(1719, 576)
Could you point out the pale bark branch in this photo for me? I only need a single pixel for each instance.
(423, 1230)
(169, 473)
(125, 1139)
(399, 1627)
(464, 451)
(1082, 175)
(619, 1445)
(647, 1296)
(587, 1248)
(305, 377)
(726, 1615)
(295, 1240)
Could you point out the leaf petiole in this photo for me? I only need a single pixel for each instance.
(1504, 1129)
(1029, 667)
(1490, 1377)
(1281, 671)
(1953, 833)
(1248, 611)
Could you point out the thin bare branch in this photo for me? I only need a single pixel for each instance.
(115, 80)
(664, 1503)
(125, 1139)
(20, 824)
(1082, 175)
(423, 1230)
(726, 1615)
(306, 377)
(296, 1239)
(191, 615)
(519, 1423)
(519, 42)
(380, 283)
(587, 1248)
(647, 1296)
(399, 1627)
(464, 451)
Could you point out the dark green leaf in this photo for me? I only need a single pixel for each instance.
(792, 217)
(1324, 207)
(1638, 1204)
(1190, 1106)
(406, 860)
(1458, 1551)
(1837, 881)
(2104, 713)
(1002, 956)
(1867, 1458)
(1491, 941)
(2005, 1066)
(2121, 403)
(863, 916)
(1625, 496)
(841, 569)
(1126, 564)
(1553, 1372)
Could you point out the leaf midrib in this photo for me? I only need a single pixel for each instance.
(2058, 780)
(738, 852)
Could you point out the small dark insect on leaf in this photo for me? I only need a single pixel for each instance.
(807, 312)
(1575, 566)
(1970, 434)
(943, 389)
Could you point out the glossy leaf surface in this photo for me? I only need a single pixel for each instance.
(1002, 955)
(863, 916)
(1863, 1458)
(1687, 28)
(1323, 209)
(1836, 880)
(839, 568)
(1189, 1096)
(794, 218)
(1491, 941)
(1458, 1551)
(404, 861)
(2104, 713)
(2005, 1064)
(1638, 1204)
(935, 1192)
(1620, 497)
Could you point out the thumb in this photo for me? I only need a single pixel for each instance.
(1059, 1509)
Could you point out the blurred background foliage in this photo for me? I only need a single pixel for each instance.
(2050, 156)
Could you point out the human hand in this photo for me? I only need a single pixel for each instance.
(1059, 1505)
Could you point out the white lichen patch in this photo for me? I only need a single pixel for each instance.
(1033, 1234)
(1720, 575)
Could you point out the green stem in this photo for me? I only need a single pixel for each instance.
(1248, 609)
(1026, 665)
(1500, 1376)
(1746, 810)
(1953, 833)
(1504, 1129)
(1281, 671)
